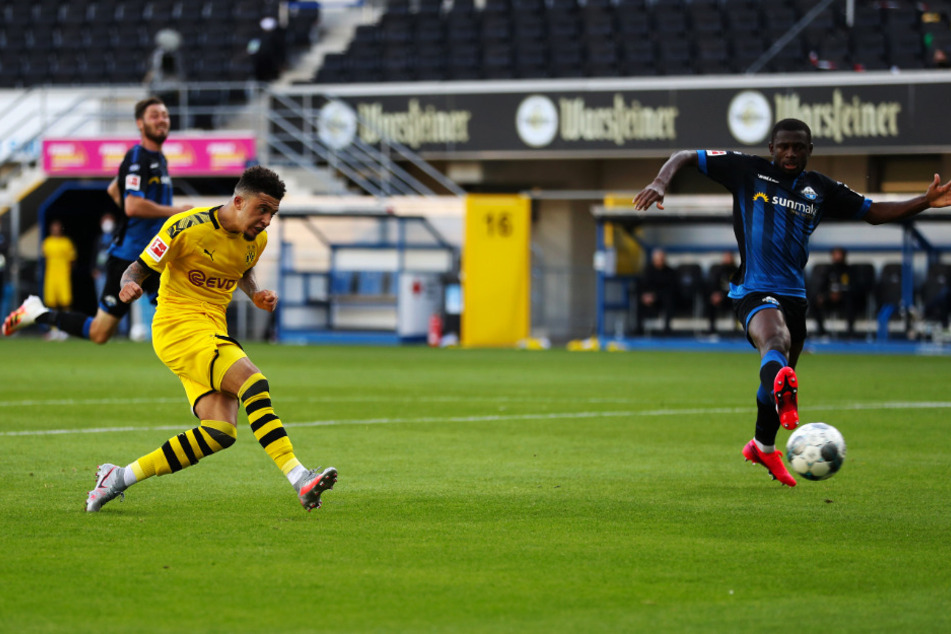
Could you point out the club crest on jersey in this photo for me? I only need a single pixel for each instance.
(132, 182)
(157, 249)
(249, 256)
(809, 193)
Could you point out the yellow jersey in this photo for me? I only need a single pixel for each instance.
(200, 262)
(60, 254)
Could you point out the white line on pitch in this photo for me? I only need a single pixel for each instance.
(507, 417)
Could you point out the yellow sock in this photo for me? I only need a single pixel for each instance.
(265, 424)
(185, 449)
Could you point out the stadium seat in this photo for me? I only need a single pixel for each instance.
(498, 61)
(868, 49)
(689, 299)
(528, 26)
(464, 60)
(563, 26)
(742, 21)
(429, 7)
(597, 23)
(779, 19)
(670, 21)
(567, 59)
(529, 6)
(496, 28)
(632, 25)
(638, 57)
(334, 69)
(906, 49)
(935, 292)
(564, 6)
(705, 22)
(602, 58)
(398, 66)
(531, 59)
(431, 66)
(863, 280)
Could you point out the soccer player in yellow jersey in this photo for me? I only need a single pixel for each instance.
(203, 255)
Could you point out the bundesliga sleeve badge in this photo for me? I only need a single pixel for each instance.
(132, 182)
(157, 249)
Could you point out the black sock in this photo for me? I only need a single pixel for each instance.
(69, 322)
(767, 422)
(767, 374)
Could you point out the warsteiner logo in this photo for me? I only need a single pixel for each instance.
(199, 279)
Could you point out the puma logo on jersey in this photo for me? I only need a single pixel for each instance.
(210, 254)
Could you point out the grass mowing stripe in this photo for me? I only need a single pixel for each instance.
(502, 417)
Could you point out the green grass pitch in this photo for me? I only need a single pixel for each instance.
(479, 491)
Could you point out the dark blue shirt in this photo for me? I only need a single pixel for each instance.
(143, 174)
(773, 216)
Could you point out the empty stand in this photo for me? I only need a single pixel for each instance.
(110, 41)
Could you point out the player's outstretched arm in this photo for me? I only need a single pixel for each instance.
(655, 192)
(263, 299)
(131, 282)
(937, 196)
(113, 191)
(138, 207)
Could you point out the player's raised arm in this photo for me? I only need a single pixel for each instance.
(131, 283)
(655, 192)
(937, 196)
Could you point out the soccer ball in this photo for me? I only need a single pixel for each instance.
(816, 451)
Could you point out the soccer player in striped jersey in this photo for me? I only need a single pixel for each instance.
(143, 190)
(777, 204)
(203, 255)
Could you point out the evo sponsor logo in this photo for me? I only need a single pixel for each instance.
(199, 279)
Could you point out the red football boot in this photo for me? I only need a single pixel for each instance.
(787, 404)
(772, 461)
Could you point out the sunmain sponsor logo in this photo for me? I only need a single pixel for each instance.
(199, 279)
(794, 206)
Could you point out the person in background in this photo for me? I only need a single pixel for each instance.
(59, 253)
(835, 291)
(268, 50)
(718, 288)
(656, 290)
(143, 190)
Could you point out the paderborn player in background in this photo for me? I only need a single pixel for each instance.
(143, 191)
(202, 256)
(776, 206)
